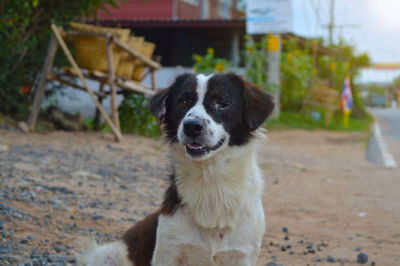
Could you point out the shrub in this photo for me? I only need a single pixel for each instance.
(208, 63)
(297, 69)
(256, 60)
(24, 36)
(135, 117)
(296, 75)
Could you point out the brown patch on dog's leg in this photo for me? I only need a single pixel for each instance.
(141, 240)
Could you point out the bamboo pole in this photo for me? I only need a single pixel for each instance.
(111, 82)
(153, 80)
(142, 85)
(127, 85)
(71, 84)
(80, 33)
(64, 47)
(137, 54)
(47, 66)
(97, 114)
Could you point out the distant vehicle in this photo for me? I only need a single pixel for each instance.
(378, 100)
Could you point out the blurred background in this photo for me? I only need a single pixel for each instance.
(325, 42)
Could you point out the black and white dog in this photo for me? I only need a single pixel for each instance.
(212, 212)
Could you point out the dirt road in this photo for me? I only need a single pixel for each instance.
(324, 190)
(58, 188)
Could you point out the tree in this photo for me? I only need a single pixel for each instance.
(396, 90)
(24, 35)
(346, 62)
(396, 82)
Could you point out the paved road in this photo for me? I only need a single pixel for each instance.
(389, 122)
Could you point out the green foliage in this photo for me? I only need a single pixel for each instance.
(292, 119)
(296, 75)
(208, 63)
(24, 36)
(345, 63)
(298, 71)
(396, 83)
(395, 90)
(255, 57)
(135, 117)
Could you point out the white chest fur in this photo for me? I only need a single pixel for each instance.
(222, 220)
(180, 241)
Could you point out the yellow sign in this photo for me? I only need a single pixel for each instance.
(273, 43)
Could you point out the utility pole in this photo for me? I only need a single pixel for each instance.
(331, 24)
(277, 20)
(273, 71)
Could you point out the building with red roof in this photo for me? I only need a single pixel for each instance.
(172, 10)
(180, 28)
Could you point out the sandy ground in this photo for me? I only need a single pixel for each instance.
(322, 188)
(58, 188)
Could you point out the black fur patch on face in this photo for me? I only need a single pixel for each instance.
(238, 105)
(181, 97)
(224, 102)
(170, 105)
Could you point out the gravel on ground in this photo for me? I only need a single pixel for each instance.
(324, 202)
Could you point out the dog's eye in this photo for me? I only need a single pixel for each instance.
(220, 105)
(183, 102)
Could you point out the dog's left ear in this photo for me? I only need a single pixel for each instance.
(157, 105)
(258, 105)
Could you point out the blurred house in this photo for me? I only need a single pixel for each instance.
(180, 28)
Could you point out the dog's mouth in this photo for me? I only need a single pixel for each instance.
(195, 149)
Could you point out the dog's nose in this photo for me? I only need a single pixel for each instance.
(193, 128)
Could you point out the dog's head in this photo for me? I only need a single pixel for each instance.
(206, 114)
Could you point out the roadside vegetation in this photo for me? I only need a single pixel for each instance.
(291, 120)
(24, 36)
(25, 31)
(301, 68)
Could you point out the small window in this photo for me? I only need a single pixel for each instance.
(191, 2)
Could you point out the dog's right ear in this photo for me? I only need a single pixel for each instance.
(157, 105)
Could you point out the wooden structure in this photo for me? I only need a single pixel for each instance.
(110, 78)
(322, 96)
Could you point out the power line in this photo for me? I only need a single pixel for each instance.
(306, 18)
(331, 26)
(316, 7)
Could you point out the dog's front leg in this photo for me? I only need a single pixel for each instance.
(180, 242)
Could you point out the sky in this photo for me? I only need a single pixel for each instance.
(375, 24)
(375, 29)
